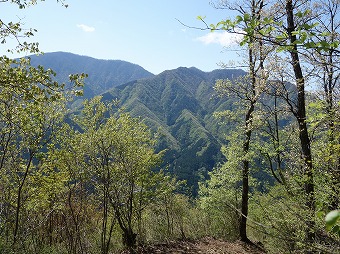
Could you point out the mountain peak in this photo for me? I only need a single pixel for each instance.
(102, 74)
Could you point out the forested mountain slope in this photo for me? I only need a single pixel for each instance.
(103, 74)
(177, 104)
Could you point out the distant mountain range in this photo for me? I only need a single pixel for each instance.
(179, 104)
(103, 74)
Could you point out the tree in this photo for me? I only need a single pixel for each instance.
(75, 200)
(32, 106)
(118, 155)
(30, 113)
(221, 195)
(248, 89)
(295, 34)
(300, 114)
(165, 216)
(326, 72)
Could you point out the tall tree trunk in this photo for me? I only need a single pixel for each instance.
(105, 234)
(245, 179)
(330, 80)
(333, 166)
(246, 145)
(19, 200)
(301, 119)
(256, 9)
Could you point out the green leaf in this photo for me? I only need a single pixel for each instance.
(320, 214)
(212, 27)
(331, 218)
(325, 34)
(201, 17)
(334, 44)
(309, 45)
(246, 17)
(239, 18)
(282, 36)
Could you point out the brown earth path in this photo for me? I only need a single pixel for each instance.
(204, 246)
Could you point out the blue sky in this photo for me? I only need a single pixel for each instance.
(142, 32)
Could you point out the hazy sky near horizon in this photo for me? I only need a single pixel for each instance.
(146, 33)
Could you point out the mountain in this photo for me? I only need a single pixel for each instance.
(179, 104)
(103, 74)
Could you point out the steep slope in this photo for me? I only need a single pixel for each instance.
(103, 74)
(179, 104)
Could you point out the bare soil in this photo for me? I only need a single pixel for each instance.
(204, 246)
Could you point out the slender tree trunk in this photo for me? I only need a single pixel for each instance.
(245, 178)
(19, 200)
(301, 119)
(333, 166)
(50, 226)
(168, 220)
(330, 81)
(246, 145)
(256, 9)
(125, 222)
(105, 243)
(110, 234)
(245, 198)
(129, 239)
(130, 236)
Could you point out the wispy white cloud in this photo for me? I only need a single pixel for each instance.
(85, 28)
(225, 39)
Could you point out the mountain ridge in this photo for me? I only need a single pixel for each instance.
(178, 104)
(103, 74)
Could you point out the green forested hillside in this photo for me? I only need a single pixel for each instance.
(179, 104)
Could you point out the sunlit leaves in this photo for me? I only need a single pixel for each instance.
(32, 108)
(17, 32)
(22, 4)
(117, 155)
(269, 29)
(332, 219)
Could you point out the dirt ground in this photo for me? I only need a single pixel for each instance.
(203, 246)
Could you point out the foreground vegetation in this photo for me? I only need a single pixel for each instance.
(91, 182)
